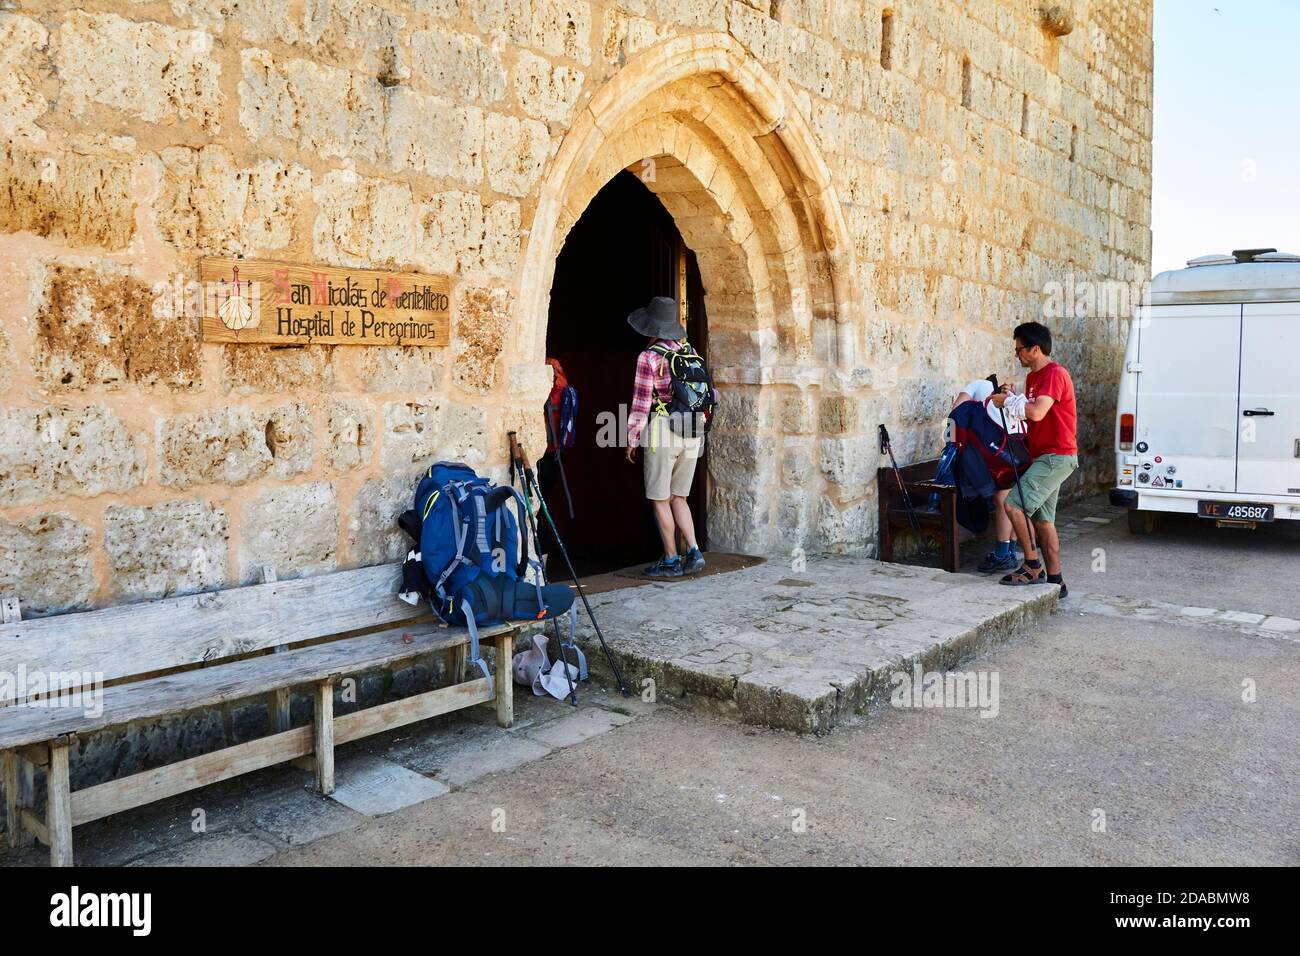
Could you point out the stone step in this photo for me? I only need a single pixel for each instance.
(802, 650)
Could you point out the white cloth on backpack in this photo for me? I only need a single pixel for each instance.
(981, 390)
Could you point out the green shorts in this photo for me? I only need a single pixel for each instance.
(1041, 486)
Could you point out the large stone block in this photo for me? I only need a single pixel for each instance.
(547, 92)
(260, 22)
(407, 369)
(148, 70)
(176, 547)
(207, 203)
(234, 445)
(53, 451)
(47, 562)
(372, 533)
(850, 462)
(458, 235)
(741, 458)
(433, 136)
(516, 152)
(293, 529)
(847, 530)
(451, 226)
(837, 414)
(412, 432)
(277, 370)
(502, 239)
(363, 222)
(458, 65)
(739, 519)
(358, 30)
(796, 413)
(350, 434)
(416, 432)
(98, 326)
(320, 108)
(479, 337)
(23, 63)
(82, 200)
(561, 28)
(464, 434)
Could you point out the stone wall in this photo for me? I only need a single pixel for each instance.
(871, 223)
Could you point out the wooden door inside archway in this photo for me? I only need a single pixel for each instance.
(624, 249)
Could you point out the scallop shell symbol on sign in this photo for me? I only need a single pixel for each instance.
(235, 311)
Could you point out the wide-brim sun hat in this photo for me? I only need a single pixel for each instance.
(658, 320)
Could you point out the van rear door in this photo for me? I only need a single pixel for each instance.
(1268, 455)
(1187, 394)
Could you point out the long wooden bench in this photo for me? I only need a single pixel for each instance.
(170, 656)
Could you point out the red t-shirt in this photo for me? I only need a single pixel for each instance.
(1055, 434)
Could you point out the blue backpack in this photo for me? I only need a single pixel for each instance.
(473, 555)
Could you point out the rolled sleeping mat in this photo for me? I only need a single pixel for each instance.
(504, 599)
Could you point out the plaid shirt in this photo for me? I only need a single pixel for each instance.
(652, 377)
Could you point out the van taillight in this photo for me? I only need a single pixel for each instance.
(1126, 433)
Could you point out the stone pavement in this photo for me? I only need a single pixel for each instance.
(801, 650)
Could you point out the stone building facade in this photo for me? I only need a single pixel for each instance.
(875, 193)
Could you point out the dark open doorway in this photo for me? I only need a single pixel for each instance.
(623, 250)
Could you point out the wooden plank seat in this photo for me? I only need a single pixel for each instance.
(179, 654)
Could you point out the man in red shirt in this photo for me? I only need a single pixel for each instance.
(1048, 407)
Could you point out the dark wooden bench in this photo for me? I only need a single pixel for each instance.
(940, 525)
(170, 656)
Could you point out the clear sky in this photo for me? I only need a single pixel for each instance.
(1226, 137)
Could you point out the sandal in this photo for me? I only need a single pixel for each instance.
(1025, 575)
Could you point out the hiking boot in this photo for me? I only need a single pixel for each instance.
(993, 563)
(663, 568)
(692, 561)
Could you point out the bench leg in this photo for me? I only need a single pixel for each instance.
(505, 680)
(324, 734)
(277, 703)
(456, 663)
(884, 531)
(58, 812)
(13, 824)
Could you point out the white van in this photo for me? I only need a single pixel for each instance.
(1208, 421)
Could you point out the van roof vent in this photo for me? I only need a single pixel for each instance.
(1243, 255)
(1213, 259)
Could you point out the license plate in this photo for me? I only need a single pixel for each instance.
(1234, 511)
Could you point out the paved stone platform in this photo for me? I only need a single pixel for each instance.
(801, 650)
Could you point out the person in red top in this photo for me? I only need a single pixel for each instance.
(1048, 407)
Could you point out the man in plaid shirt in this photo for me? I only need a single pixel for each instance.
(669, 460)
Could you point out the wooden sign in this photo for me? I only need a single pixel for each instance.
(282, 302)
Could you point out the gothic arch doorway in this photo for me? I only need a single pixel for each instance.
(624, 249)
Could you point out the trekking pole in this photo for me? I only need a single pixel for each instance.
(1029, 524)
(517, 453)
(517, 467)
(559, 460)
(888, 448)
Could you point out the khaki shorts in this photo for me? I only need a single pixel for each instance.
(1041, 486)
(668, 461)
